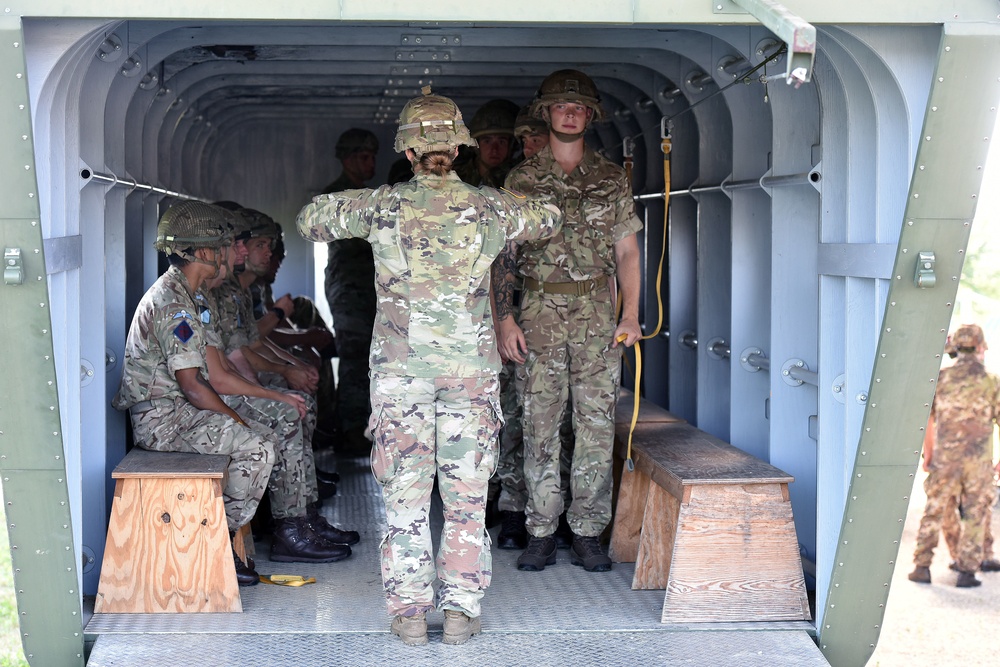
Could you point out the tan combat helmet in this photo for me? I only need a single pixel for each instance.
(355, 140)
(567, 85)
(431, 123)
(193, 224)
(494, 117)
(526, 124)
(968, 336)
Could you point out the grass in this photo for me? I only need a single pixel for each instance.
(11, 653)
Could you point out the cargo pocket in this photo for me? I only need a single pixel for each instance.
(489, 430)
(384, 455)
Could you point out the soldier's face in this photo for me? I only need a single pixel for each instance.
(569, 117)
(258, 255)
(360, 166)
(534, 143)
(493, 149)
(237, 254)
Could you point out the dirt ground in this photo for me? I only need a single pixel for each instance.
(938, 625)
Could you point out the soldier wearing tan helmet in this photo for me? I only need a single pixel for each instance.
(531, 131)
(958, 455)
(566, 335)
(493, 129)
(350, 293)
(434, 388)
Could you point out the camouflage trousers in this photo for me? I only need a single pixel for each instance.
(178, 426)
(278, 382)
(951, 526)
(427, 427)
(509, 479)
(353, 385)
(292, 484)
(569, 345)
(970, 483)
(306, 316)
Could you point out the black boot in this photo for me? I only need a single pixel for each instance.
(295, 542)
(245, 574)
(330, 533)
(513, 534)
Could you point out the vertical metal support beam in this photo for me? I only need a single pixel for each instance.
(36, 496)
(941, 203)
(798, 34)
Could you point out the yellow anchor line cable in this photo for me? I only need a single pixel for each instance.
(665, 146)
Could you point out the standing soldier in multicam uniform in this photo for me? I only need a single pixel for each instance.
(260, 363)
(492, 126)
(434, 360)
(958, 453)
(350, 276)
(566, 340)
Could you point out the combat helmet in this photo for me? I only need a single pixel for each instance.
(355, 140)
(968, 336)
(495, 117)
(526, 124)
(193, 224)
(567, 85)
(261, 224)
(431, 123)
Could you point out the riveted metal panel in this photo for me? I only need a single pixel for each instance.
(912, 336)
(31, 445)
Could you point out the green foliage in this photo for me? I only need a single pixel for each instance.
(11, 653)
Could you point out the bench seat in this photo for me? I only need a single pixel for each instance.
(168, 547)
(709, 523)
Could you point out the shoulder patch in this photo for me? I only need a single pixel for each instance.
(515, 193)
(183, 332)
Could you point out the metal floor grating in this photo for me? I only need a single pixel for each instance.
(547, 617)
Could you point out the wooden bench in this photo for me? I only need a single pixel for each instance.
(168, 547)
(710, 524)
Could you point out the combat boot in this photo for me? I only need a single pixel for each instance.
(245, 574)
(458, 627)
(295, 542)
(967, 580)
(411, 629)
(541, 551)
(920, 574)
(513, 534)
(990, 565)
(320, 526)
(586, 551)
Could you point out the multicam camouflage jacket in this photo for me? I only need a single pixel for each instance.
(235, 321)
(169, 333)
(966, 405)
(596, 201)
(434, 239)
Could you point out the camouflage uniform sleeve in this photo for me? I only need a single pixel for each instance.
(181, 337)
(339, 215)
(626, 220)
(524, 219)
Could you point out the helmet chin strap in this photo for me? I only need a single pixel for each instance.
(565, 137)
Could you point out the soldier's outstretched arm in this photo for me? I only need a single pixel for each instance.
(338, 215)
(202, 395)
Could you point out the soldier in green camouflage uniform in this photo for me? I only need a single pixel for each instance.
(958, 452)
(492, 126)
(434, 360)
(566, 340)
(293, 485)
(350, 293)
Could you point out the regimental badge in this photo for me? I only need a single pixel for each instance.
(183, 332)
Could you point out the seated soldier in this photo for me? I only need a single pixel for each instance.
(258, 362)
(174, 374)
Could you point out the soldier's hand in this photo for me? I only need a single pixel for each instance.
(296, 402)
(510, 341)
(300, 379)
(628, 328)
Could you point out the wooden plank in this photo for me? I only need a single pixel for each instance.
(649, 412)
(168, 549)
(628, 517)
(144, 463)
(657, 543)
(736, 558)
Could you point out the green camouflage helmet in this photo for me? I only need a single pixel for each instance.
(261, 224)
(567, 85)
(355, 140)
(431, 123)
(526, 124)
(968, 335)
(193, 224)
(494, 117)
